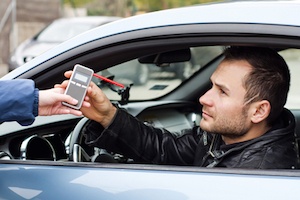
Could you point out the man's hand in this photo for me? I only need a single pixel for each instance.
(50, 103)
(100, 108)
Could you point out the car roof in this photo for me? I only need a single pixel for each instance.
(274, 12)
(261, 12)
(97, 20)
(254, 12)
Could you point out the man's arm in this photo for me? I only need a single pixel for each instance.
(143, 143)
(116, 130)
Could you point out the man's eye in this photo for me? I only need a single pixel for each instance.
(222, 91)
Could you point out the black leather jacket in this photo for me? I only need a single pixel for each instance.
(144, 143)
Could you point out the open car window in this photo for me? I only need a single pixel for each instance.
(151, 80)
(155, 81)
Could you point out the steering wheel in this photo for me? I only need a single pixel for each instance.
(79, 152)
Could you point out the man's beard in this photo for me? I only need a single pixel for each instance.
(233, 127)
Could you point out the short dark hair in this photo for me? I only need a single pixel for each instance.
(269, 78)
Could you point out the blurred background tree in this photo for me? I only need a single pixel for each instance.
(125, 8)
(154, 5)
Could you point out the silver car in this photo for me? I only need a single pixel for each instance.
(50, 160)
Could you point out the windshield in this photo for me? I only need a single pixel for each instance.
(150, 81)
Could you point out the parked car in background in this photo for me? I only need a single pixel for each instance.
(63, 29)
(50, 159)
(55, 33)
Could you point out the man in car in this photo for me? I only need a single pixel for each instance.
(22, 102)
(244, 123)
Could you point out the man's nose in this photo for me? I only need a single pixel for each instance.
(206, 99)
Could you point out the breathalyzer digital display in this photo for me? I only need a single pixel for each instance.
(81, 77)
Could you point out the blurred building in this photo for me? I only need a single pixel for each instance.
(21, 19)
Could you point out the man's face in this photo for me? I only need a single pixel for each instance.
(224, 111)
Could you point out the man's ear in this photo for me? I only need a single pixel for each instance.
(261, 111)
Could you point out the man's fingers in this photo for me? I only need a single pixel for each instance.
(68, 74)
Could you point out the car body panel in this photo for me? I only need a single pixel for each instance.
(104, 182)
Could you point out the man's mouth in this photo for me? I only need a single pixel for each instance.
(205, 114)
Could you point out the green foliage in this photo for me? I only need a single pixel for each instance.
(77, 3)
(129, 7)
(154, 5)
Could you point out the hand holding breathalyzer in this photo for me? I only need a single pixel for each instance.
(96, 105)
(78, 85)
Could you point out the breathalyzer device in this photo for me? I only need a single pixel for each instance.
(78, 84)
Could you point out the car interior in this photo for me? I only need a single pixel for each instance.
(167, 101)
